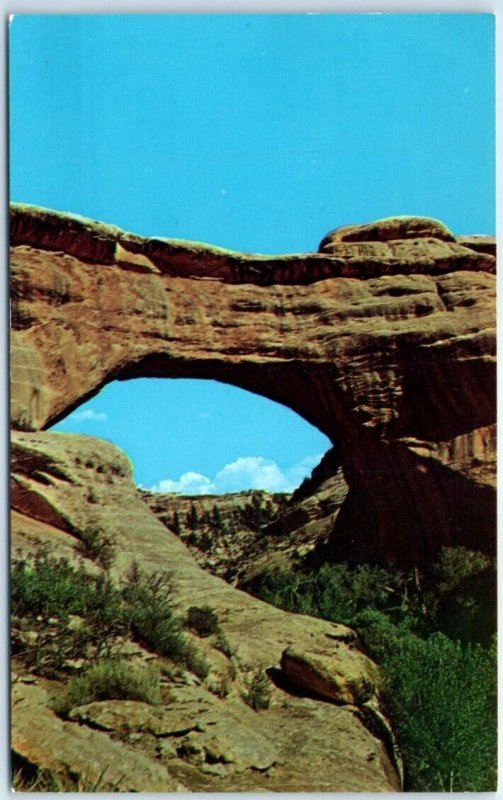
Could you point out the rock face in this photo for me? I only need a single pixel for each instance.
(203, 736)
(239, 535)
(385, 344)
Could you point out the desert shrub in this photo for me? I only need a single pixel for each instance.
(256, 513)
(151, 615)
(440, 692)
(455, 564)
(194, 660)
(258, 692)
(462, 600)
(223, 644)
(110, 679)
(192, 518)
(215, 519)
(29, 778)
(441, 697)
(335, 592)
(69, 613)
(176, 525)
(42, 584)
(98, 545)
(150, 612)
(203, 620)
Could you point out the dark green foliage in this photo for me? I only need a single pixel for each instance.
(203, 620)
(439, 692)
(153, 623)
(42, 584)
(192, 518)
(463, 600)
(441, 696)
(256, 513)
(258, 693)
(335, 592)
(150, 612)
(194, 660)
(98, 545)
(176, 524)
(216, 518)
(112, 679)
(69, 613)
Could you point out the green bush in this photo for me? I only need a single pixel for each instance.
(153, 623)
(69, 613)
(336, 592)
(441, 697)
(111, 679)
(258, 692)
(194, 660)
(150, 612)
(44, 585)
(463, 599)
(440, 692)
(98, 545)
(203, 620)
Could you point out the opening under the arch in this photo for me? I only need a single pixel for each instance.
(201, 436)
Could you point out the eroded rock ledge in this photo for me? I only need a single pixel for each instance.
(389, 247)
(398, 370)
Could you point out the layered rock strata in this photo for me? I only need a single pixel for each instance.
(203, 736)
(385, 344)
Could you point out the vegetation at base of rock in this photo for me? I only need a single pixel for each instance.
(203, 620)
(457, 596)
(258, 692)
(150, 608)
(62, 613)
(441, 696)
(433, 637)
(111, 679)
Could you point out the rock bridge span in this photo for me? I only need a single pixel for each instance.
(385, 340)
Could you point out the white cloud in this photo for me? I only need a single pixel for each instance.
(88, 415)
(252, 472)
(204, 415)
(188, 483)
(246, 472)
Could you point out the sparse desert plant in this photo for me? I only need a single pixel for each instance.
(223, 644)
(194, 660)
(150, 611)
(109, 679)
(258, 691)
(153, 622)
(203, 620)
(98, 545)
(66, 612)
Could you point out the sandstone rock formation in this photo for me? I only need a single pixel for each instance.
(386, 344)
(203, 737)
(284, 531)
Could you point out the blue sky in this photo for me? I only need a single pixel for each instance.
(254, 132)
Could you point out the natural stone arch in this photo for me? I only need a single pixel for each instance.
(387, 346)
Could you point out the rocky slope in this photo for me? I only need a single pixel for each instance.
(236, 536)
(385, 341)
(203, 736)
